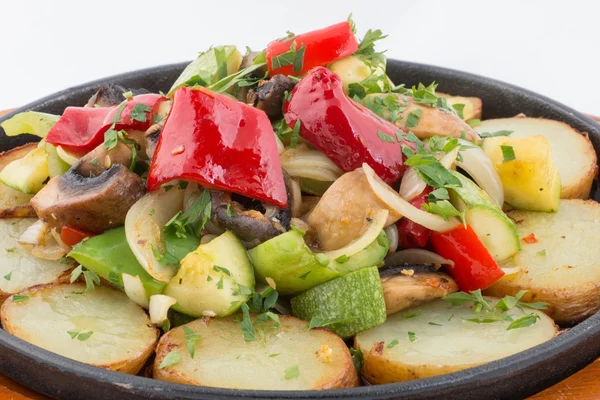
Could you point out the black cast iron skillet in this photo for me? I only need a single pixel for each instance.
(518, 376)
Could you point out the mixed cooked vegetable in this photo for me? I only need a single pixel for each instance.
(293, 219)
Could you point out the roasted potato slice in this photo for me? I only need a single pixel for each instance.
(13, 203)
(290, 357)
(102, 327)
(436, 339)
(18, 268)
(572, 151)
(559, 260)
(472, 108)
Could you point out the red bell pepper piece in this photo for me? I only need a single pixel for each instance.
(474, 267)
(410, 234)
(142, 118)
(346, 131)
(320, 47)
(77, 129)
(81, 129)
(220, 143)
(71, 236)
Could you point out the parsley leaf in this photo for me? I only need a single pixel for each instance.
(341, 259)
(247, 327)
(216, 268)
(191, 338)
(523, 322)
(508, 153)
(413, 118)
(18, 298)
(485, 135)
(474, 122)
(357, 358)
(117, 118)
(110, 138)
(393, 343)
(459, 108)
(229, 212)
(8, 276)
(385, 138)
(172, 358)
(292, 372)
(138, 112)
(412, 336)
(410, 314)
(291, 57)
(193, 219)
(443, 208)
(91, 278)
(73, 334)
(84, 336)
(367, 44)
(295, 134)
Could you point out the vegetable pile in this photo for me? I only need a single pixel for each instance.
(292, 219)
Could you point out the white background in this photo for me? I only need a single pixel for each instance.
(552, 47)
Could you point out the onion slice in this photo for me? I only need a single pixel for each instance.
(511, 271)
(419, 256)
(134, 289)
(401, 206)
(35, 234)
(143, 228)
(392, 234)
(159, 306)
(479, 166)
(378, 219)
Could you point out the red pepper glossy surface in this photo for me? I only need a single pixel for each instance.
(78, 129)
(410, 234)
(474, 267)
(220, 143)
(81, 129)
(71, 236)
(321, 47)
(347, 132)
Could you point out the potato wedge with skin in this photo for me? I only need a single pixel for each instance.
(54, 316)
(441, 341)
(224, 359)
(19, 269)
(560, 263)
(573, 152)
(14, 203)
(472, 108)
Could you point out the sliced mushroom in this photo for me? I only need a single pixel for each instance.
(249, 219)
(433, 121)
(151, 137)
(93, 204)
(406, 286)
(268, 95)
(100, 159)
(111, 95)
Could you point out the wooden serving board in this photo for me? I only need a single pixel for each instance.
(583, 385)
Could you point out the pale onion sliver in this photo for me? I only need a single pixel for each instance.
(378, 219)
(420, 256)
(412, 185)
(34, 235)
(392, 234)
(397, 203)
(318, 174)
(134, 289)
(511, 271)
(159, 306)
(480, 167)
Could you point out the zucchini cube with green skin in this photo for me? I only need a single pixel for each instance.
(110, 256)
(295, 268)
(214, 280)
(496, 231)
(346, 305)
(29, 173)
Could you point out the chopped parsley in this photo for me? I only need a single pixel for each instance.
(413, 118)
(410, 314)
(541, 253)
(434, 324)
(392, 344)
(357, 358)
(523, 322)
(341, 259)
(295, 134)
(193, 220)
(229, 212)
(11, 250)
(459, 108)
(474, 122)
(138, 112)
(247, 327)
(117, 118)
(292, 372)
(191, 338)
(18, 298)
(412, 336)
(216, 268)
(274, 355)
(485, 135)
(8, 276)
(385, 138)
(293, 56)
(172, 358)
(507, 153)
